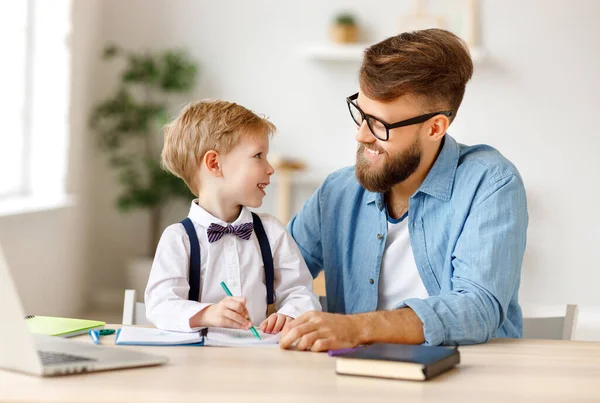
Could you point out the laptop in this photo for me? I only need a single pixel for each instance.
(43, 355)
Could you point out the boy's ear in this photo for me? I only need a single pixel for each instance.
(212, 163)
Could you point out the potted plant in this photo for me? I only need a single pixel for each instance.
(128, 125)
(344, 29)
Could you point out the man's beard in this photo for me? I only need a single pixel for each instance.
(393, 170)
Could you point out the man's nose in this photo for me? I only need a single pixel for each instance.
(363, 133)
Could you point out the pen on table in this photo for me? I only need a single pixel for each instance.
(95, 336)
(342, 351)
(229, 294)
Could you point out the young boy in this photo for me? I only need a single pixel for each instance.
(220, 150)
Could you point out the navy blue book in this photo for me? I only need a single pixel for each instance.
(398, 361)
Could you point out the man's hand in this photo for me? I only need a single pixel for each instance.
(274, 323)
(230, 312)
(321, 331)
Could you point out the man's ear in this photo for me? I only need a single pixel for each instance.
(212, 163)
(438, 126)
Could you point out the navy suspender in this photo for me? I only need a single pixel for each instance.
(194, 278)
(265, 250)
(267, 256)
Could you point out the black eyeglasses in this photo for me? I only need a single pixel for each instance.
(379, 128)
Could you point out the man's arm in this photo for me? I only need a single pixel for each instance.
(320, 331)
(486, 265)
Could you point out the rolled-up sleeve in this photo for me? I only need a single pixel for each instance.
(486, 266)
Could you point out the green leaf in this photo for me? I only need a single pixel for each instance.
(125, 203)
(120, 161)
(345, 19)
(162, 117)
(110, 51)
(141, 68)
(179, 72)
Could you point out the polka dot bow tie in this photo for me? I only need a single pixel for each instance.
(216, 231)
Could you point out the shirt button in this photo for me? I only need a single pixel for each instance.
(371, 281)
(379, 236)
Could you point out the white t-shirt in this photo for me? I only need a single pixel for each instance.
(399, 278)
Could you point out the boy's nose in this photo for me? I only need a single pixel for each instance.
(270, 170)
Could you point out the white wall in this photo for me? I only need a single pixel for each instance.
(46, 261)
(535, 99)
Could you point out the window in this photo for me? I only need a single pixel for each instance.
(34, 98)
(13, 41)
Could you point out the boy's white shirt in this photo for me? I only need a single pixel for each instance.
(235, 261)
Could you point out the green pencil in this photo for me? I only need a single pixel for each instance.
(229, 294)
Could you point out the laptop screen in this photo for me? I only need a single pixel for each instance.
(17, 347)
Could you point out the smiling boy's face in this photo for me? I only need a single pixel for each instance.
(246, 171)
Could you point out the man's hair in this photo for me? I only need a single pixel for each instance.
(203, 126)
(432, 64)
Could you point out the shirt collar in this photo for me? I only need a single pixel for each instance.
(372, 197)
(202, 217)
(440, 179)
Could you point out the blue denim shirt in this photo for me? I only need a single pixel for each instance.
(467, 225)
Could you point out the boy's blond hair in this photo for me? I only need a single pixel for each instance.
(203, 126)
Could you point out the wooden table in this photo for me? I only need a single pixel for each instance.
(503, 370)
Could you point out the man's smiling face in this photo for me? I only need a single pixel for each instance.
(382, 164)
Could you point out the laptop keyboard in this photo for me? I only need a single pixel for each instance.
(51, 358)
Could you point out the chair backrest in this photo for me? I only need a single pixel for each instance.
(134, 313)
(323, 302)
(552, 327)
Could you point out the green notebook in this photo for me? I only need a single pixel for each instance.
(64, 327)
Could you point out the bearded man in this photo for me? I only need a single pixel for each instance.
(422, 240)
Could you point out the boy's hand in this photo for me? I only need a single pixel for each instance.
(230, 312)
(274, 323)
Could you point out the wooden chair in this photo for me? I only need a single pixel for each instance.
(319, 289)
(134, 313)
(539, 323)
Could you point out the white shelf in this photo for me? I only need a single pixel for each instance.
(354, 52)
(333, 52)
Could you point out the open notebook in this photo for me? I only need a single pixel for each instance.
(212, 336)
